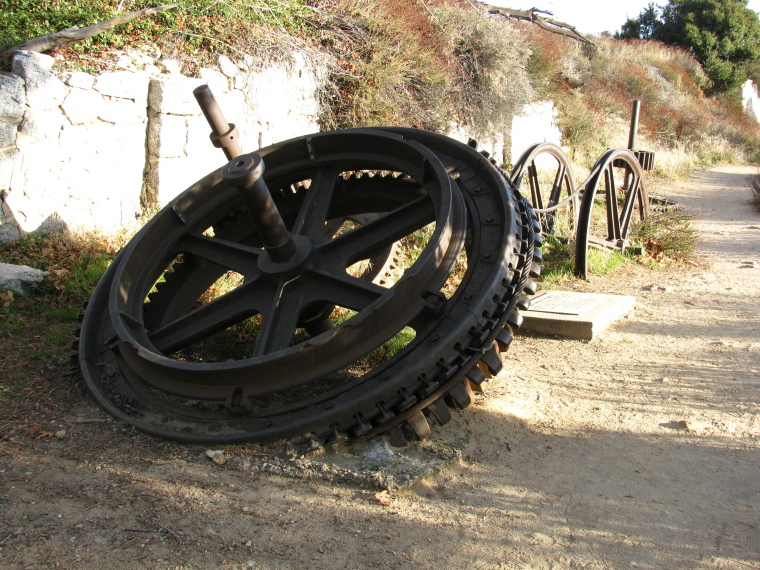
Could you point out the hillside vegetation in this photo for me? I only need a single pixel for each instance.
(433, 64)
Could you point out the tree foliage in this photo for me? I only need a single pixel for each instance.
(724, 35)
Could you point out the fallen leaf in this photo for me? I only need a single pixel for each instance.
(384, 498)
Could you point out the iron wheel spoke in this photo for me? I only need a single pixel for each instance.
(361, 242)
(345, 290)
(313, 213)
(278, 321)
(219, 314)
(234, 256)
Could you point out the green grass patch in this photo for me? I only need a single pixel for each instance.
(193, 29)
(558, 266)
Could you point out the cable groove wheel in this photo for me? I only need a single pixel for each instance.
(338, 285)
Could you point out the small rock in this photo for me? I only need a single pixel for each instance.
(379, 450)
(753, 228)
(60, 434)
(21, 280)
(216, 456)
(663, 379)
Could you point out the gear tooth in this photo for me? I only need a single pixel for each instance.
(75, 345)
(337, 438)
(77, 332)
(460, 396)
(396, 436)
(419, 425)
(84, 304)
(361, 427)
(523, 302)
(406, 402)
(530, 287)
(476, 376)
(440, 411)
(475, 388)
(535, 269)
(538, 239)
(80, 317)
(504, 339)
(74, 359)
(383, 416)
(538, 255)
(536, 225)
(493, 361)
(515, 319)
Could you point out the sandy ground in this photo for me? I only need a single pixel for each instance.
(639, 449)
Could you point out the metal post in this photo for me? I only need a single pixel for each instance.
(632, 137)
(224, 135)
(245, 173)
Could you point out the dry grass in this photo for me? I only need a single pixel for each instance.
(678, 122)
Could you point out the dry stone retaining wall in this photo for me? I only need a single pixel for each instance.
(87, 151)
(91, 151)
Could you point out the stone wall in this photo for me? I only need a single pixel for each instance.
(86, 151)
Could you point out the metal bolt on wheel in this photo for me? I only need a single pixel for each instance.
(258, 305)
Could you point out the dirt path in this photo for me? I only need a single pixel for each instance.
(639, 449)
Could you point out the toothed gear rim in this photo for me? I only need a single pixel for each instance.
(243, 400)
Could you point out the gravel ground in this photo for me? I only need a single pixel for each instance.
(639, 449)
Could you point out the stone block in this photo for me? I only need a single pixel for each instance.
(171, 176)
(43, 60)
(9, 233)
(122, 112)
(42, 124)
(82, 106)
(9, 162)
(216, 80)
(12, 96)
(167, 136)
(174, 95)
(8, 132)
(43, 89)
(28, 212)
(123, 84)
(79, 79)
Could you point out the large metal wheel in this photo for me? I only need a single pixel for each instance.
(621, 204)
(546, 173)
(206, 330)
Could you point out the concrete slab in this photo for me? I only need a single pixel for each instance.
(574, 315)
